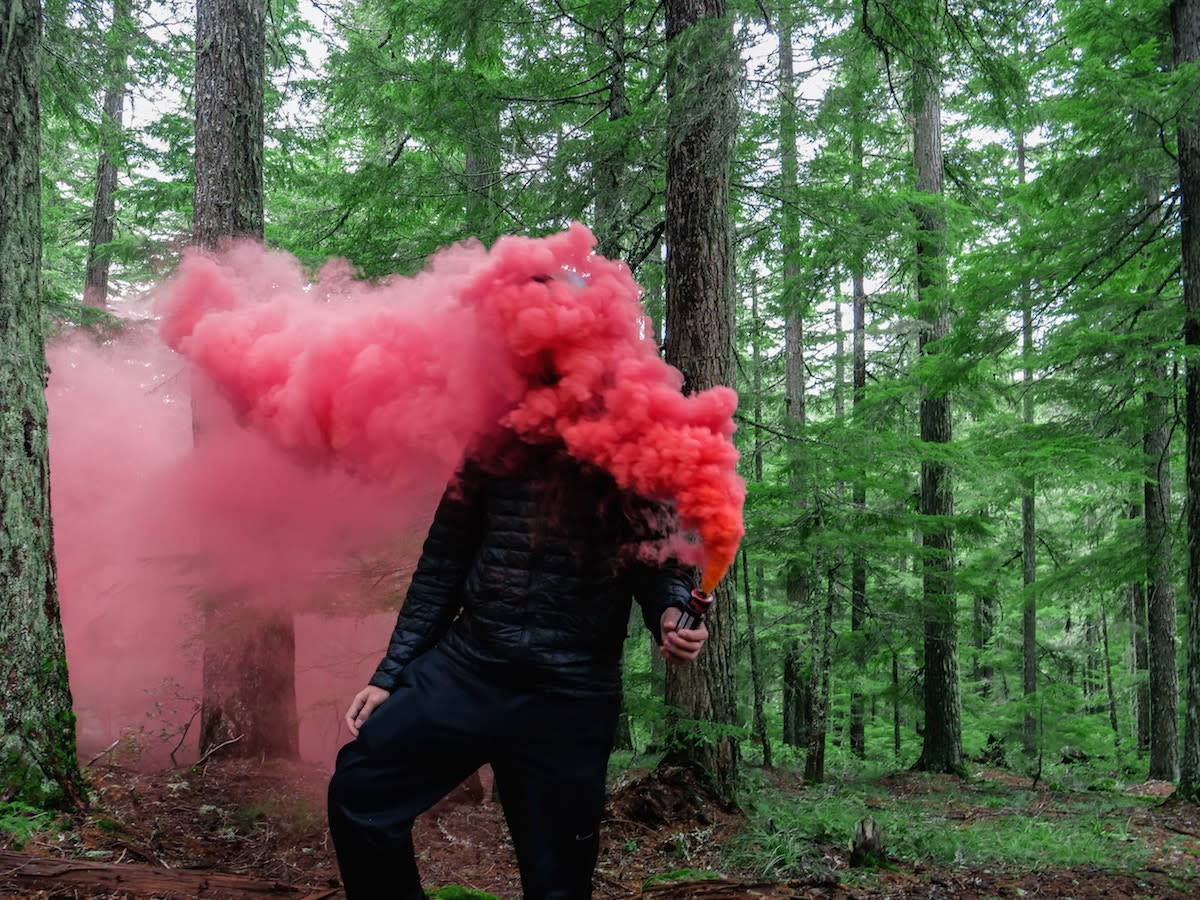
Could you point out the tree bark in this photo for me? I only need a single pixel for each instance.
(1141, 661)
(1157, 424)
(1029, 654)
(37, 725)
(1160, 600)
(800, 572)
(249, 695)
(702, 101)
(481, 164)
(230, 78)
(756, 672)
(984, 628)
(1185, 29)
(942, 747)
(104, 205)
(609, 163)
(1108, 679)
(858, 559)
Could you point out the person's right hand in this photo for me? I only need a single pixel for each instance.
(365, 702)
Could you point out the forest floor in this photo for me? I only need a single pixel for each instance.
(237, 829)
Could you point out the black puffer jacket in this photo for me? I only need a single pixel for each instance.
(527, 577)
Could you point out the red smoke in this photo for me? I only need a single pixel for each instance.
(149, 523)
(396, 378)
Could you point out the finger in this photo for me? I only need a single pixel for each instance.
(685, 642)
(354, 716)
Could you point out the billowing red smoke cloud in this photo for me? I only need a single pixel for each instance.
(539, 334)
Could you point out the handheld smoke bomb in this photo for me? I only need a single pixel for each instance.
(698, 605)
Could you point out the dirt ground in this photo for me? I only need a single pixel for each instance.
(237, 829)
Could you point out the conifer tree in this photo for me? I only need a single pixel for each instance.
(249, 655)
(1185, 29)
(702, 88)
(37, 724)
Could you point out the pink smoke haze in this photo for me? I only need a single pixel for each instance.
(148, 523)
(540, 334)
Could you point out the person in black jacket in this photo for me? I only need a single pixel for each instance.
(507, 650)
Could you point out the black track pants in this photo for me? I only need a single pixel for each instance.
(549, 755)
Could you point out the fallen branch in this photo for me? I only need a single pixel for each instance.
(107, 749)
(211, 750)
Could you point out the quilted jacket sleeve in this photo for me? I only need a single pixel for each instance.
(657, 587)
(435, 594)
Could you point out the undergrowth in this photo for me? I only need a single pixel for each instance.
(21, 821)
(941, 821)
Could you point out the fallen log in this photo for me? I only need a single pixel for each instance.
(21, 871)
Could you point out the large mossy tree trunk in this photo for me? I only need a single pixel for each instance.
(37, 725)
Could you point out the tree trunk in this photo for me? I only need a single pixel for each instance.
(1108, 680)
(858, 559)
(1160, 601)
(609, 163)
(481, 164)
(1157, 424)
(896, 704)
(1141, 661)
(249, 686)
(814, 762)
(702, 100)
(1185, 28)
(37, 725)
(796, 699)
(942, 747)
(251, 653)
(756, 673)
(1029, 653)
(982, 632)
(230, 77)
(104, 206)
(799, 579)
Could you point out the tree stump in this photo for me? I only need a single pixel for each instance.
(867, 847)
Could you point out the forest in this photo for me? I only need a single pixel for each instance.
(947, 256)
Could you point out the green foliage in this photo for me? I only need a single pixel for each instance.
(458, 893)
(681, 877)
(939, 821)
(21, 821)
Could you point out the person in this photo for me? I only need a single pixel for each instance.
(508, 650)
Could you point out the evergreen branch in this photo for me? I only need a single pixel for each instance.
(649, 243)
(346, 215)
(1133, 228)
(583, 26)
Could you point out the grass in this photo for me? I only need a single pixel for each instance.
(936, 821)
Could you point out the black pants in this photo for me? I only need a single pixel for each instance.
(549, 755)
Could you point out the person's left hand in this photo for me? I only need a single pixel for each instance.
(680, 647)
